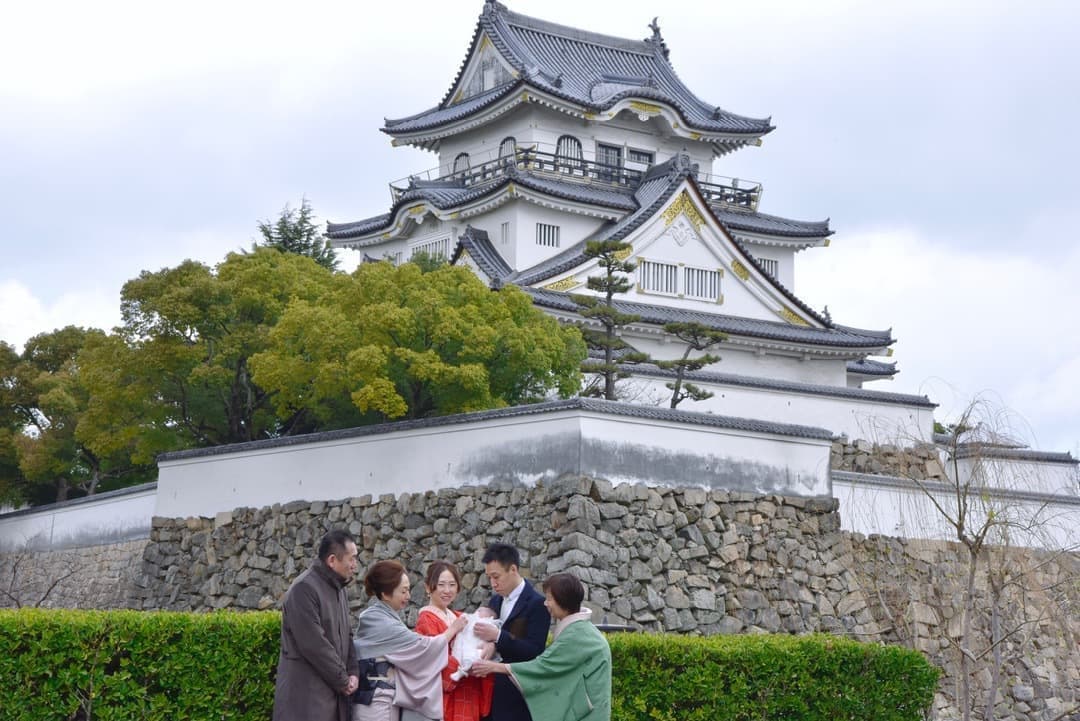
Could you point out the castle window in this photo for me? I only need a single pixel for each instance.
(507, 148)
(702, 284)
(547, 235)
(658, 277)
(609, 161)
(504, 232)
(436, 248)
(461, 163)
(643, 157)
(770, 266)
(568, 155)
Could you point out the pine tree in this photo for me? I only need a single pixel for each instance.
(616, 351)
(295, 231)
(698, 337)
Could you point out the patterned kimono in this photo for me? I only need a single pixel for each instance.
(571, 679)
(414, 681)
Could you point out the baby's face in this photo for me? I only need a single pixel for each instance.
(485, 612)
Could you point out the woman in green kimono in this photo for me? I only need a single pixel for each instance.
(571, 679)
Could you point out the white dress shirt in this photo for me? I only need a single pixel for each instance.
(508, 602)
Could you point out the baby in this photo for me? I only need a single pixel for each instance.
(467, 647)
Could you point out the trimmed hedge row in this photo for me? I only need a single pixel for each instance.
(740, 678)
(120, 665)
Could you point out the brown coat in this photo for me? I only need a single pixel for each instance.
(317, 655)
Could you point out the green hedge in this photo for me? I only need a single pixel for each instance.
(729, 678)
(120, 665)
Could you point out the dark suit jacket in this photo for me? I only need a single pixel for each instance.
(523, 638)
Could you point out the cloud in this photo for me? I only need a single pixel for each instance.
(23, 315)
(968, 322)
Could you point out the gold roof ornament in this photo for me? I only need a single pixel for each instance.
(686, 207)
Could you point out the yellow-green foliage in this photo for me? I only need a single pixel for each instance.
(120, 665)
(736, 678)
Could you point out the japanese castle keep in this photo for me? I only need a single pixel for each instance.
(551, 136)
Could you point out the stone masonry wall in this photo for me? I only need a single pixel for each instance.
(921, 462)
(680, 560)
(92, 577)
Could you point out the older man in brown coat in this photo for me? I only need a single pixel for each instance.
(317, 667)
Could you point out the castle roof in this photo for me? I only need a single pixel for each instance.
(814, 389)
(833, 336)
(590, 72)
(450, 193)
(870, 367)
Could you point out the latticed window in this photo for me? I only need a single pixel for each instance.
(507, 147)
(436, 248)
(609, 161)
(547, 235)
(770, 266)
(701, 283)
(568, 155)
(461, 163)
(504, 232)
(658, 277)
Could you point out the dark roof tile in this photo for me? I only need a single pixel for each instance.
(585, 68)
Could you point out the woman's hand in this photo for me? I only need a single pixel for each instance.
(483, 667)
(455, 627)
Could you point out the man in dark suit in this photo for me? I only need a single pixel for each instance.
(524, 629)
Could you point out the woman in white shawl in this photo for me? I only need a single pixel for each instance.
(399, 669)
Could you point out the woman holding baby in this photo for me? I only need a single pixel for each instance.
(465, 698)
(401, 671)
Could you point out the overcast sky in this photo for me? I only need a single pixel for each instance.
(938, 137)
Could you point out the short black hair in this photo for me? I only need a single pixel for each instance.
(333, 544)
(504, 553)
(567, 591)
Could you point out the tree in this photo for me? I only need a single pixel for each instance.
(176, 375)
(397, 342)
(48, 398)
(615, 351)
(697, 337)
(295, 231)
(11, 477)
(1017, 572)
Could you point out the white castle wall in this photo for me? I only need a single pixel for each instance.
(535, 125)
(889, 422)
(872, 504)
(479, 448)
(1020, 474)
(106, 518)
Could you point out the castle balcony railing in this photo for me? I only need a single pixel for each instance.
(718, 190)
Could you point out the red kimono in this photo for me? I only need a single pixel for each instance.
(468, 699)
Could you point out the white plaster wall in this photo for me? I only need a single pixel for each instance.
(876, 422)
(395, 462)
(866, 507)
(740, 360)
(785, 258)
(1018, 474)
(534, 123)
(519, 448)
(735, 460)
(93, 521)
(572, 229)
